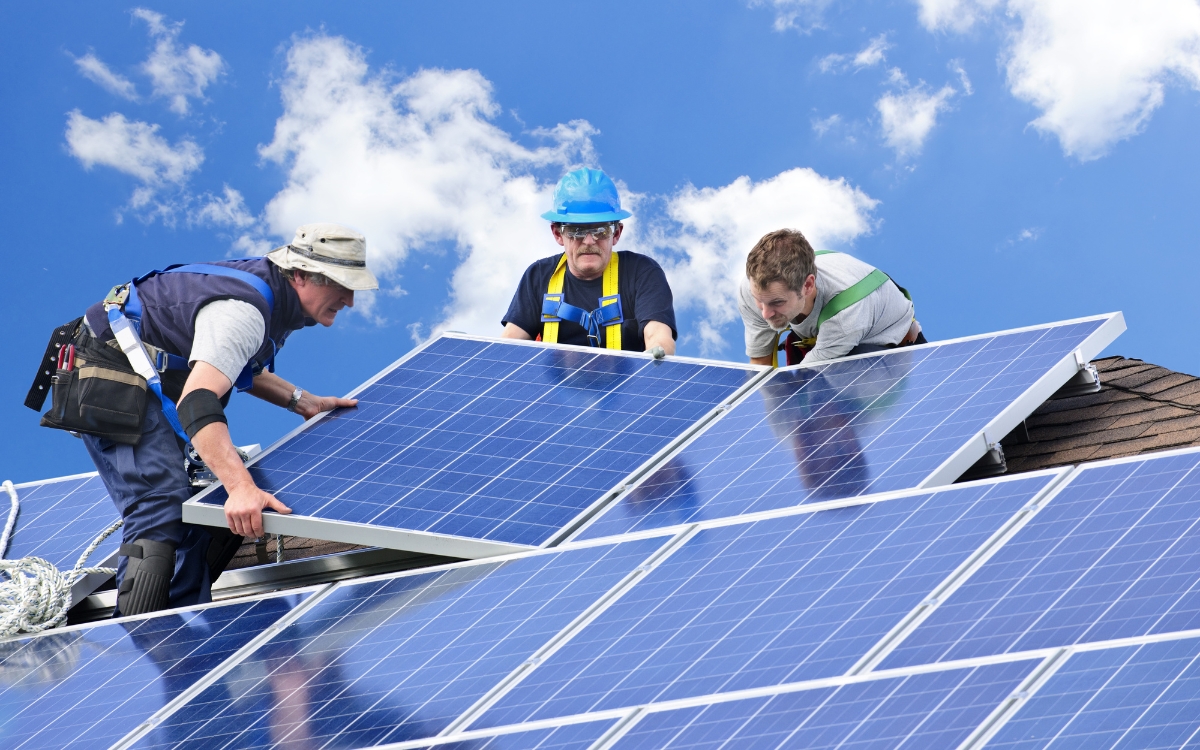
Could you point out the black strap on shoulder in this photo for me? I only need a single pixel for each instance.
(62, 336)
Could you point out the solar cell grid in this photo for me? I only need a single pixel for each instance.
(792, 598)
(1145, 696)
(488, 440)
(1115, 554)
(398, 658)
(90, 686)
(569, 737)
(932, 710)
(903, 419)
(59, 518)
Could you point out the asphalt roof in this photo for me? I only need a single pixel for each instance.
(1141, 408)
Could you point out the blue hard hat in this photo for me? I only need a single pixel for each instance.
(586, 196)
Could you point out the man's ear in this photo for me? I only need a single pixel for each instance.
(617, 233)
(557, 234)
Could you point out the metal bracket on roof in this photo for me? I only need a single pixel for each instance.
(1086, 379)
(992, 463)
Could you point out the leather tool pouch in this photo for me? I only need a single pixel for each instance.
(101, 396)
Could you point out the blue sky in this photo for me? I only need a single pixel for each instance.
(1011, 162)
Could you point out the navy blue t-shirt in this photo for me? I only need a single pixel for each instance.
(645, 296)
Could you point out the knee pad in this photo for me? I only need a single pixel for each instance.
(146, 586)
(222, 548)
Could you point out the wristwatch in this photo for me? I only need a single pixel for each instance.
(296, 394)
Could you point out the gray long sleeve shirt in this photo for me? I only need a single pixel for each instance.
(882, 317)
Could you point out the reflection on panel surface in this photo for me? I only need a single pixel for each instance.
(783, 600)
(59, 518)
(494, 441)
(844, 429)
(399, 658)
(934, 710)
(1137, 697)
(89, 687)
(1116, 554)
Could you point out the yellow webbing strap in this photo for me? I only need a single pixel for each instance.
(612, 333)
(550, 329)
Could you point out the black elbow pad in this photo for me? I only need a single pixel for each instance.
(199, 409)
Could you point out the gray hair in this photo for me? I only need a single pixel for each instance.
(312, 277)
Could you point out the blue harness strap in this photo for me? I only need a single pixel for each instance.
(168, 361)
(126, 323)
(554, 309)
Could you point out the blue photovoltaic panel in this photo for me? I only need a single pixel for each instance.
(399, 658)
(568, 737)
(490, 440)
(782, 600)
(844, 429)
(59, 518)
(932, 710)
(1136, 697)
(91, 686)
(1116, 554)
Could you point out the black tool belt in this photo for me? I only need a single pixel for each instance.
(94, 389)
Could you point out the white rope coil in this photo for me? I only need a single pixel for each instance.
(37, 594)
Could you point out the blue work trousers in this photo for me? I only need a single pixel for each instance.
(149, 484)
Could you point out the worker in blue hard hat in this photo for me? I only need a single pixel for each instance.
(588, 294)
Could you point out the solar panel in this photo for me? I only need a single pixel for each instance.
(399, 658)
(1143, 696)
(1114, 554)
(59, 519)
(88, 686)
(567, 737)
(930, 710)
(474, 447)
(909, 418)
(795, 597)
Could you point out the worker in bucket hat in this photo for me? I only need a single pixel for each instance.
(145, 375)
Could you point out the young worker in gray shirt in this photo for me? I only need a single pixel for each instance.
(819, 305)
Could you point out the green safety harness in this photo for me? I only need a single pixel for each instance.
(852, 294)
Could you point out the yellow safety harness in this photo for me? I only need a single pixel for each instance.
(607, 316)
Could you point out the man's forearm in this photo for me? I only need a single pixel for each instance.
(271, 388)
(658, 334)
(216, 449)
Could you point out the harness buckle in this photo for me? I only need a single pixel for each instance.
(117, 296)
(550, 305)
(609, 312)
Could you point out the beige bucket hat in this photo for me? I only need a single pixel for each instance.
(329, 249)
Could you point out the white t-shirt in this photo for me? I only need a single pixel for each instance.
(882, 317)
(228, 333)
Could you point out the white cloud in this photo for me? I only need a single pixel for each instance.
(908, 115)
(1096, 69)
(227, 210)
(177, 73)
(823, 126)
(873, 53)
(94, 69)
(136, 149)
(416, 164)
(868, 57)
(957, 68)
(132, 147)
(704, 250)
(802, 15)
(954, 15)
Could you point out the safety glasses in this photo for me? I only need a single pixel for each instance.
(577, 232)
